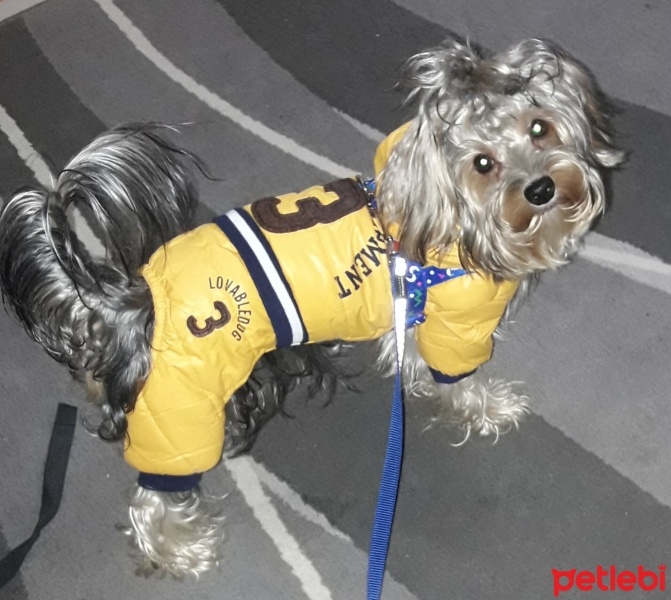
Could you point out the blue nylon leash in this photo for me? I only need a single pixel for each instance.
(386, 502)
(391, 472)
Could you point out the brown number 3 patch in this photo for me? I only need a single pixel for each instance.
(310, 210)
(210, 323)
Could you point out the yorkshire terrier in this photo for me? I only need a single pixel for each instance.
(495, 179)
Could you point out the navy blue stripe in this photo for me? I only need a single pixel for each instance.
(262, 238)
(443, 378)
(271, 302)
(168, 483)
(268, 296)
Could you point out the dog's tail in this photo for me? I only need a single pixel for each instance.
(136, 190)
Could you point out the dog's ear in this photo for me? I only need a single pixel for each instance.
(603, 146)
(416, 194)
(608, 156)
(598, 111)
(579, 84)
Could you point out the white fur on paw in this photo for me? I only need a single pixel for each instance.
(484, 406)
(179, 533)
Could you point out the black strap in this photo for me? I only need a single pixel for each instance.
(52, 487)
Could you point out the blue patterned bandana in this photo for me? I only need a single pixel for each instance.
(419, 279)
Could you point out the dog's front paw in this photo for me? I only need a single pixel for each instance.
(484, 405)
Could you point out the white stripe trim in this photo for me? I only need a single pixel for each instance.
(270, 136)
(273, 276)
(266, 514)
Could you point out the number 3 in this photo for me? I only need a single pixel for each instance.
(210, 323)
(310, 210)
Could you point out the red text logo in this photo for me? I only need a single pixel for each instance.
(609, 580)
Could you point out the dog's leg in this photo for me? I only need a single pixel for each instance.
(482, 404)
(478, 403)
(175, 532)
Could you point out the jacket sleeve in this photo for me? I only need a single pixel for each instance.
(461, 317)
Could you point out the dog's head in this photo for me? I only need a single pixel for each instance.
(504, 156)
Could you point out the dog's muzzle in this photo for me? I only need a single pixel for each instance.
(540, 191)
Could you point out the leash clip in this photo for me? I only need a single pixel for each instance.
(398, 266)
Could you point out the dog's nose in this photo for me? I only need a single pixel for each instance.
(541, 191)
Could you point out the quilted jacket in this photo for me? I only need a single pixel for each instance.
(298, 268)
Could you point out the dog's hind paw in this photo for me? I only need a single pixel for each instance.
(176, 533)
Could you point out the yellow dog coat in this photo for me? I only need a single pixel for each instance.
(299, 268)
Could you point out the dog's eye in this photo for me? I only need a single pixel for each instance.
(538, 128)
(483, 163)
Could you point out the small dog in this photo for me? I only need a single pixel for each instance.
(495, 179)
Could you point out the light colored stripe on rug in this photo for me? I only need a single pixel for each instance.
(370, 132)
(286, 495)
(25, 150)
(10, 8)
(43, 174)
(250, 487)
(287, 145)
(282, 491)
(628, 260)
